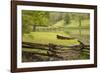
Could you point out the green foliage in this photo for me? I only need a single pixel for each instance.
(67, 19)
(26, 24)
(32, 19)
(84, 55)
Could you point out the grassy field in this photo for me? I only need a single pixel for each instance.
(48, 37)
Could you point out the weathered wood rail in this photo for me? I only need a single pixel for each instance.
(55, 51)
(52, 46)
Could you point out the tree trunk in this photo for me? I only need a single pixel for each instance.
(80, 23)
(34, 27)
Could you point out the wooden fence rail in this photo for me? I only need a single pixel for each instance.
(53, 51)
(51, 46)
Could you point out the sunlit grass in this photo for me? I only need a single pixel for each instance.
(48, 37)
(59, 24)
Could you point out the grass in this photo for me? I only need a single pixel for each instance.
(59, 24)
(48, 37)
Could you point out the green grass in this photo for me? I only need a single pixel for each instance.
(48, 37)
(59, 24)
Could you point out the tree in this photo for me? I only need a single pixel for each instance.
(80, 17)
(26, 23)
(32, 19)
(67, 18)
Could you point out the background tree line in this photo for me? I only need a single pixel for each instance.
(32, 19)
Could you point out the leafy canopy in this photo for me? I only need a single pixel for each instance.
(31, 18)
